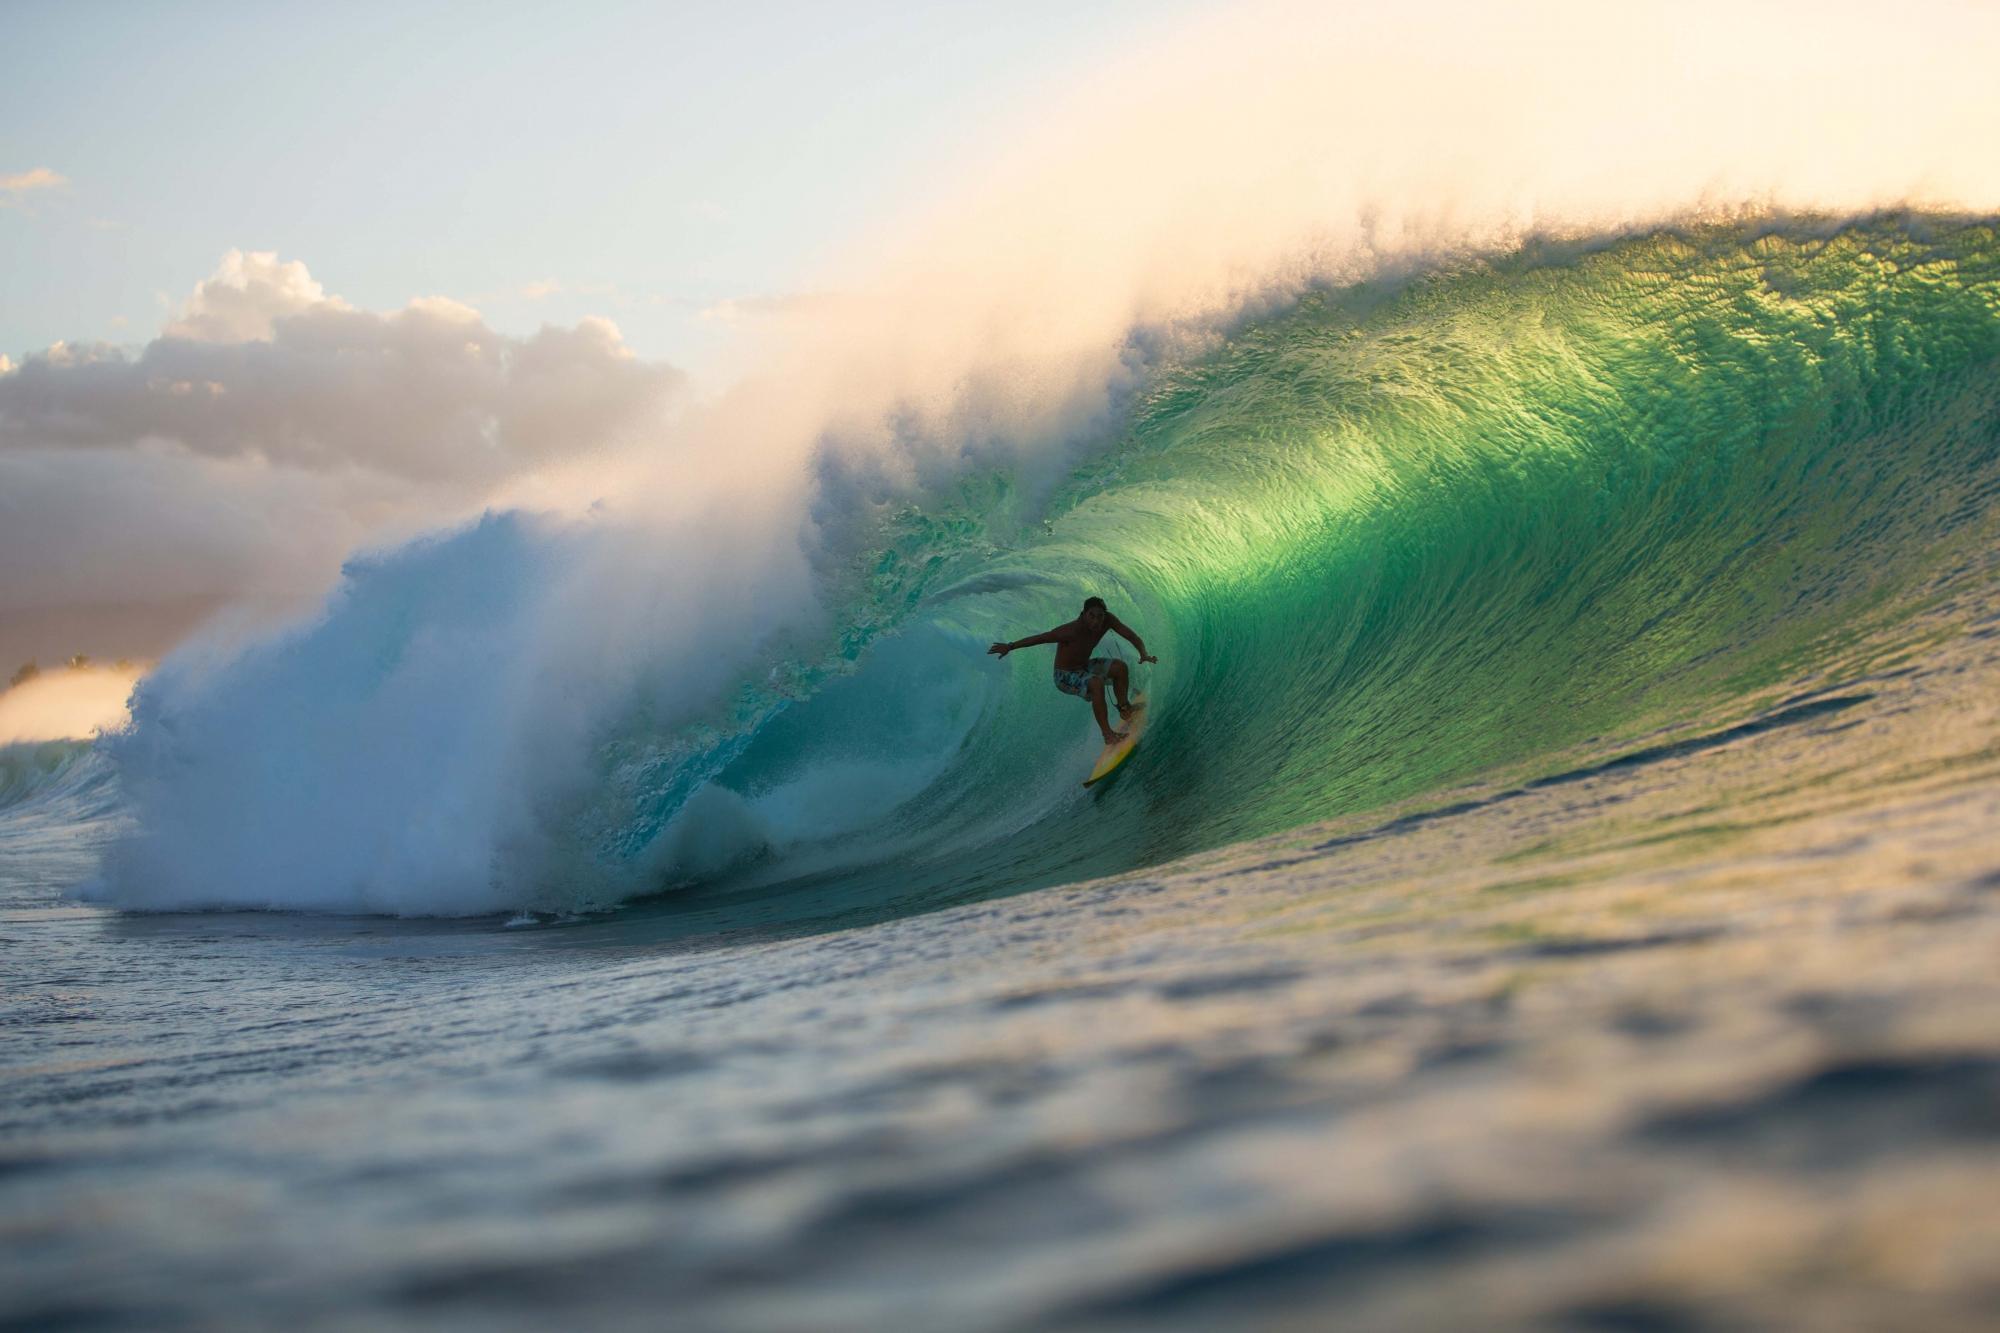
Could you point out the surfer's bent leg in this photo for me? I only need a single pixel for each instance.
(1096, 696)
(1121, 677)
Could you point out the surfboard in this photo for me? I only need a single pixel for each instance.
(1114, 755)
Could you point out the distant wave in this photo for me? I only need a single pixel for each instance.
(68, 773)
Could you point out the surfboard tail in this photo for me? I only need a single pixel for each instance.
(1116, 754)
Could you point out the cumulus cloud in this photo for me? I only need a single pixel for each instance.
(245, 298)
(262, 363)
(121, 553)
(236, 458)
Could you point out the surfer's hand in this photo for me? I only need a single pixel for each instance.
(1000, 649)
(1143, 659)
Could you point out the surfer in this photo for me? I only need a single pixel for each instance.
(1078, 673)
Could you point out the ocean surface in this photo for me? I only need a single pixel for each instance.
(1560, 886)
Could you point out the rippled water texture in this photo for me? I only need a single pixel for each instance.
(1560, 890)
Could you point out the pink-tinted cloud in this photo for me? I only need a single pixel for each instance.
(238, 457)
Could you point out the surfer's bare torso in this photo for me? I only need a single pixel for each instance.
(1076, 640)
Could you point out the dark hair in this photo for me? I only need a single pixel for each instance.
(1097, 602)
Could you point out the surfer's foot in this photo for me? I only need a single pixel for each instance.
(1125, 711)
(1113, 737)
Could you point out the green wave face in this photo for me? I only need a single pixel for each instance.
(1395, 541)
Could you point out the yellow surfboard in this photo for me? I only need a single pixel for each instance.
(1114, 755)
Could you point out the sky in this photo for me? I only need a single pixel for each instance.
(671, 167)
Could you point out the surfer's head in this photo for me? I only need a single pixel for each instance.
(1095, 612)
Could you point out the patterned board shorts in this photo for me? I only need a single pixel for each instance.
(1078, 682)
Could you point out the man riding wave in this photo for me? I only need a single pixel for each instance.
(1078, 673)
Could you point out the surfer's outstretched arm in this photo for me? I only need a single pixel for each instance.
(1131, 636)
(1053, 636)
